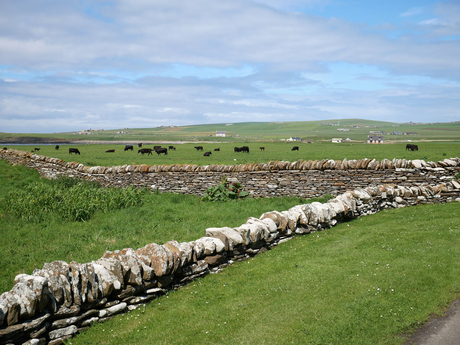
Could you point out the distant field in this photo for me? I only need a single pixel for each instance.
(266, 131)
(93, 154)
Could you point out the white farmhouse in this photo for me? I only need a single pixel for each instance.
(220, 133)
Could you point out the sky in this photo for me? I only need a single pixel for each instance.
(69, 65)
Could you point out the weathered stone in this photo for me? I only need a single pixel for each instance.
(233, 238)
(209, 245)
(59, 333)
(11, 331)
(161, 258)
(278, 218)
(58, 275)
(41, 341)
(9, 308)
(116, 309)
(115, 268)
(215, 260)
(89, 321)
(38, 285)
(174, 248)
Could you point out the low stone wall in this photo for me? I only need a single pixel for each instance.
(61, 299)
(306, 179)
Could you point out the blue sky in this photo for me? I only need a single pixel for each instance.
(78, 64)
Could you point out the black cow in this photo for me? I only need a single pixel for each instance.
(162, 150)
(5, 148)
(295, 148)
(140, 144)
(36, 149)
(72, 150)
(172, 148)
(149, 151)
(57, 147)
(218, 149)
(207, 154)
(199, 148)
(411, 147)
(109, 151)
(262, 148)
(241, 149)
(129, 147)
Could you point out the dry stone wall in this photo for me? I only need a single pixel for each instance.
(306, 179)
(54, 303)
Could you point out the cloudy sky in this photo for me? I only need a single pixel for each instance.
(68, 65)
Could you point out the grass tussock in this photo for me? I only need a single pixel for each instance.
(67, 199)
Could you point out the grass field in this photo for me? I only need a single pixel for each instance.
(362, 282)
(94, 154)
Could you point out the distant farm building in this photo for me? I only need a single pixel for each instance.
(220, 133)
(375, 139)
(343, 129)
(294, 139)
(337, 140)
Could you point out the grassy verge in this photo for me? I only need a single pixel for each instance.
(364, 282)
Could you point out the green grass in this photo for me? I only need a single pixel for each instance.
(363, 282)
(93, 154)
(27, 245)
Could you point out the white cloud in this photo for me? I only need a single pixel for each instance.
(134, 62)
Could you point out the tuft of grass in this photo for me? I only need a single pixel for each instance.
(66, 198)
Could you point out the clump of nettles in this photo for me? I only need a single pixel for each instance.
(225, 191)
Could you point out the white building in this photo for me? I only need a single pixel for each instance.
(337, 140)
(220, 133)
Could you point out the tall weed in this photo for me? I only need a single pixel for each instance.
(67, 199)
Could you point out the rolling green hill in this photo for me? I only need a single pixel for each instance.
(257, 131)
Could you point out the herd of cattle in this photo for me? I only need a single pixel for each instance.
(159, 150)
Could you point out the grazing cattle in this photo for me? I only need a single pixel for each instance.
(36, 149)
(241, 149)
(129, 147)
(207, 154)
(57, 147)
(71, 150)
(199, 148)
(218, 149)
(149, 151)
(172, 148)
(5, 148)
(262, 148)
(140, 144)
(162, 150)
(156, 147)
(295, 148)
(411, 147)
(109, 151)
